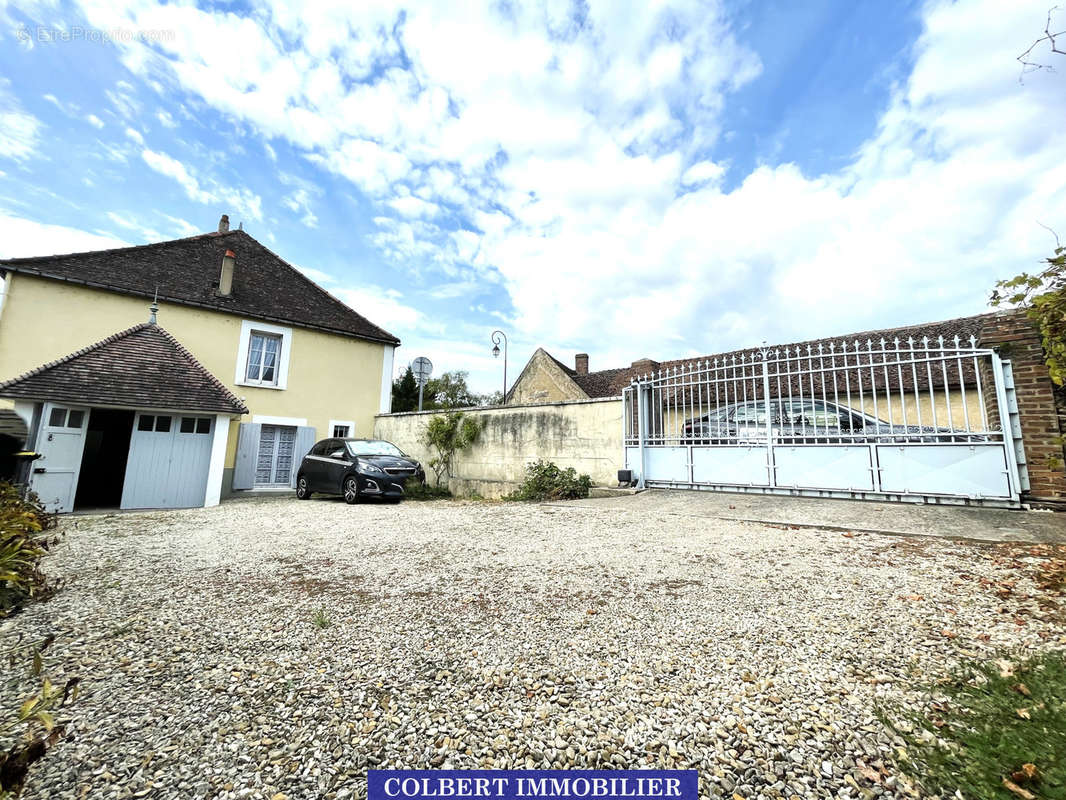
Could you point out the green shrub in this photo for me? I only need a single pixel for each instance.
(447, 434)
(545, 481)
(23, 542)
(425, 491)
(992, 730)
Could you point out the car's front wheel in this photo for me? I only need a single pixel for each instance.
(303, 491)
(351, 490)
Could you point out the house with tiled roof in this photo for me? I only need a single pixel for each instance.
(220, 387)
(547, 379)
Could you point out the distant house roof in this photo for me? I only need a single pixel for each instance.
(186, 271)
(141, 367)
(610, 382)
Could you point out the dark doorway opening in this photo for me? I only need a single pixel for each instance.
(103, 464)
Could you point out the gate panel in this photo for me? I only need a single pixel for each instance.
(842, 467)
(743, 465)
(903, 420)
(668, 464)
(976, 471)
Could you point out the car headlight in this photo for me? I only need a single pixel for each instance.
(368, 467)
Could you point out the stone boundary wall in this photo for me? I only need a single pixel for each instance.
(583, 434)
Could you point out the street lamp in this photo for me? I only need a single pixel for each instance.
(496, 336)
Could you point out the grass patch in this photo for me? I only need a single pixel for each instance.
(991, 730)
(321, 619)
(424, 491)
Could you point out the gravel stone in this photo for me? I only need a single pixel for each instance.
(492, 635)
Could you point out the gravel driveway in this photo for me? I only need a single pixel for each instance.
(497, 635)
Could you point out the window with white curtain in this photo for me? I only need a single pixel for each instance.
(264, 355)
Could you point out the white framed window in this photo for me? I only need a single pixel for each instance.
(341, 428)
(263, 355)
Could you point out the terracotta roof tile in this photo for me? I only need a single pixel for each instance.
(610, 382)
(141, 367)
(186, 271)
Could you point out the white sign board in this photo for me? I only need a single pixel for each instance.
(422, 368)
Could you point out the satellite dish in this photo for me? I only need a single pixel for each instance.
(422, 368)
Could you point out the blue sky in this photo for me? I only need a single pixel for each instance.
(612, 178)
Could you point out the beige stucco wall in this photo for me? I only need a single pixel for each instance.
(543, 382)
(330, 376)
(585, 435)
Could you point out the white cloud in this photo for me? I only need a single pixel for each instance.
(380, 306)
(204, 191)
(317, 275)
(166, 119)
(182, 227)
(134, 135)
(702, 172)
(413, 207)
(26, 237)
(19, 130)
(582, 169)
(300, 200)
(144, 233)
(95, 121)
(122, 98)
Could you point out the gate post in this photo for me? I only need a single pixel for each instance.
(642, 425)
(771, 472)
(1011, 442)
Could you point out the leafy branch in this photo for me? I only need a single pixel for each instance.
(1044, 297)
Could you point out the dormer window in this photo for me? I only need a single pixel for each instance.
(263, 354)
(264, 351)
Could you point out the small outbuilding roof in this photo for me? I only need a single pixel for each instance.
(141, 367)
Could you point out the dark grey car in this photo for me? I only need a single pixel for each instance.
(357, 468)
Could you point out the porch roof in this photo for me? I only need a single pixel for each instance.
(140, 367)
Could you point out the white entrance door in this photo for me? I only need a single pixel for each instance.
(60, 441)
(273, 466)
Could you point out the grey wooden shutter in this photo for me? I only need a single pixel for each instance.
(305, 440)
(247, 455)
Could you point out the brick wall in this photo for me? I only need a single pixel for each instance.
(1041, 408)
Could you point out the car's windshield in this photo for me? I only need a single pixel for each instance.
(373, 447)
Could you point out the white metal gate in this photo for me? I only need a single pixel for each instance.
(920, 421)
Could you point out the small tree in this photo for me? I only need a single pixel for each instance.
(448, 434)
(1044, 296)
(449, 390)
(405, 392)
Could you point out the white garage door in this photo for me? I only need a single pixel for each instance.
(169, 459)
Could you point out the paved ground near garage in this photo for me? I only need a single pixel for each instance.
(276, 649)
(951, 522)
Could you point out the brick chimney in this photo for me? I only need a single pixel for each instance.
(223, 224)
(581, 363)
